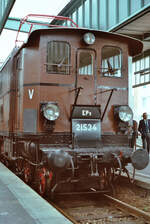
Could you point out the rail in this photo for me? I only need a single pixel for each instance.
(72, 215)
(48, 24)
(128, 208)
(69, 217)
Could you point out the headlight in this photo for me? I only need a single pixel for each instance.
(51, 111)
(125, 113)
(89, 38)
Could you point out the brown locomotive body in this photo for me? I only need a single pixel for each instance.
(64, 109)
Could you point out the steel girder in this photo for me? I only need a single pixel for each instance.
(5, 8)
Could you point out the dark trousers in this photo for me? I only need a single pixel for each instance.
(146, 141)
(133, 139)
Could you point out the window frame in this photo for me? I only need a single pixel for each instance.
(69, 60)
(121, 62)
(93, 53)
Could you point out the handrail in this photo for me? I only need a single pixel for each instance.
(32, 23)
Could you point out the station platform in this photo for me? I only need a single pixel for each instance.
(19, 204)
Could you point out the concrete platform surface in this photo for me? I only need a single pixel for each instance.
(19, 204)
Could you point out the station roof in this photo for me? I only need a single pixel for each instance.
(6, 6)
(12, 11)
(137, 26)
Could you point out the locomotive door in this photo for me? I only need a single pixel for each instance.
(85, 76)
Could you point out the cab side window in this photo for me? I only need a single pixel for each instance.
(111, 61)
(58, 57)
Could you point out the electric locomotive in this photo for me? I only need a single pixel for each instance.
(64, 109)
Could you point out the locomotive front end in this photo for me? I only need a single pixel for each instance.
(92, 161)
(87, 116)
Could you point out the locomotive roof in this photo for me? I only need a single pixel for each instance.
(135, 46)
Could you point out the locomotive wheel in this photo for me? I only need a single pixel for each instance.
(44, 181)
(27, 172)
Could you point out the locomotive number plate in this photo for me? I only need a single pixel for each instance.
(91, 126)
(87, 132)
(86, 127)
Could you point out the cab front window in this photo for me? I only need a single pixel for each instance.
(58, 57)
(111, 61)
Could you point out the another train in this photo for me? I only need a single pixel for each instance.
(64, 110)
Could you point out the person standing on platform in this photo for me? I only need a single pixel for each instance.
(144, 129)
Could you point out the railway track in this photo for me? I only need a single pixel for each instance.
(129, 209)
(102, 209)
